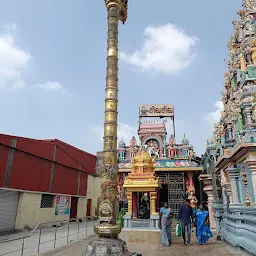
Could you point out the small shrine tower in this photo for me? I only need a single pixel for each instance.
(142, 179)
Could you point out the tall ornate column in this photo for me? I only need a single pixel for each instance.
(108, 230)
(251, 162)
(108, 199)
(233, 174)
(208, 189)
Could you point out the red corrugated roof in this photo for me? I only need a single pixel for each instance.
(65, 154)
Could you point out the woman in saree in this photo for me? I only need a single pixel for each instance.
(165, 224)
(203, 232)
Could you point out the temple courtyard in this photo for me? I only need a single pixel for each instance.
(213, 248)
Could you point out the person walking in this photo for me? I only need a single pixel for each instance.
(203, 231)
(185, 217)
(165, 224)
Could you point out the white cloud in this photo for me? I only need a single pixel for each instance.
(48, 85)
(13, 60)
(166, 49)
(214, 117)
(52, 86)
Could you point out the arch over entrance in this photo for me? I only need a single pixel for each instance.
(157, 139)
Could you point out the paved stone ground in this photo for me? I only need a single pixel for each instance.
(11, 244)
(214, 248)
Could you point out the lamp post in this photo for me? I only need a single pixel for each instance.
(107, 242)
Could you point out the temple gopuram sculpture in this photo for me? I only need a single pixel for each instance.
(142, 179)
(174, 163)
(230, 162)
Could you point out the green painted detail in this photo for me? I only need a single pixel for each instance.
(243, 76)
(251, 71)
(234, 81)
(240, 123)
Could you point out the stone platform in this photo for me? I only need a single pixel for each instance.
(141, 236)
(214, 248)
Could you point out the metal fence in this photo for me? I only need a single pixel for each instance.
(48, 236)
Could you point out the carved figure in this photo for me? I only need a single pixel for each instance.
(193, 200)
(242, 63)
(190, 154)
(253, 50)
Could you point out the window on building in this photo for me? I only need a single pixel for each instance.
(47, 201)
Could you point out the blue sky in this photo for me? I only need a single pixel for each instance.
(52, 66)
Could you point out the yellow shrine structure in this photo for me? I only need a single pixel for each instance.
(142, 179)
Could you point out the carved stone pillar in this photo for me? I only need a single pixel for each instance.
(224, 196)
(251, 162)
(245, 181)
(129, 199)
(153, 197)
(233, 174)
(208, 189)
(227, 186)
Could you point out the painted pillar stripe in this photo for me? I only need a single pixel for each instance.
(52, 169)
(9, 163)
(78, 183)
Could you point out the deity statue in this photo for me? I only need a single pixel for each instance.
(172, 140)
(171, 151)
(250, 24)
(242, 63)
(254, 114)
(193, 200)
(253, 50)
(190, 154)
(152, 149)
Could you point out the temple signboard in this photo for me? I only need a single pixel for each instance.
(156, 110)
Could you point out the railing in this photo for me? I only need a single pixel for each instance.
(48, 236)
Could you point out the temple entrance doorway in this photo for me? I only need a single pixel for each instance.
(172, 190)
(163, 197)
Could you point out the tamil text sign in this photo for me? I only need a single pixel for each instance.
(157, 110)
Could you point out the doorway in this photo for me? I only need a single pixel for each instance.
(89, 207)
(163, 195)
(73, 208)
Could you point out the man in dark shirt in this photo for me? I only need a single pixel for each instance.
(185, 217)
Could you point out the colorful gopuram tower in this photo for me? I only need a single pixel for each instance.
(175, 164)
(234, 141)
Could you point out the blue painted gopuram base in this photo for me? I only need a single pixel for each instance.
(237, 226)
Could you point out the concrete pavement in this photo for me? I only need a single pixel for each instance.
(214, 248)
(45, 240)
